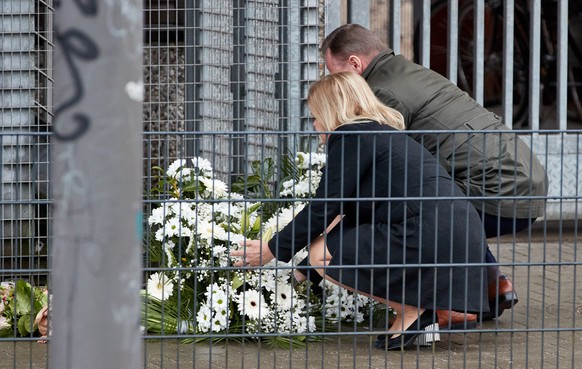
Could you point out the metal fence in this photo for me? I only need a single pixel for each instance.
(226, 81)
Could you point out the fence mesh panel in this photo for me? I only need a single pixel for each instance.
(229, 152)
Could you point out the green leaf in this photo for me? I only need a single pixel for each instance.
(23, 297)
(236, 282)
(24, 325)
(254, 208)
(257, 225)
(7, 332)
(244, 222)
(267, 235)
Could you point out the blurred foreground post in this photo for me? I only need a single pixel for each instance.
(96, 176)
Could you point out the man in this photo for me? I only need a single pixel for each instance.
(497, 170)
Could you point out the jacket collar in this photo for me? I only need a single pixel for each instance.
(383, 56)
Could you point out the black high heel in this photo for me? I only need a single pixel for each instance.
(405, 340)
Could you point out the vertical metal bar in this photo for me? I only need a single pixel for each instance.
(282, 79)
(332, 15)
(294, 66)
(97, 185)
(478, 51)
(453, 49)
(49, 60)
(238, 85)
(17, 105)
(508, 32)
(395, 34)
(425, 21)
(191, 79)
(534, 60)
(359, 12)
(562, 72)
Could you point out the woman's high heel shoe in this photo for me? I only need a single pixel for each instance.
(405, 340)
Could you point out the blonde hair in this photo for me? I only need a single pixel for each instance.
(345, 98)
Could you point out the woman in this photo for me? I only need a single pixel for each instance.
(384, 214)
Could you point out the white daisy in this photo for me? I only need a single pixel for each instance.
(252, 304)
(204, 318)
(160, 286)
(217, 298)
(172, 227)
(285, 296)
(221, 316)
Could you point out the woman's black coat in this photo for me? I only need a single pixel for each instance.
(407, 233)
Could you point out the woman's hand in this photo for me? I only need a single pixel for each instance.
(253, 253)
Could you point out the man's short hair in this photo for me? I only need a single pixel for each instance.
(352, 39)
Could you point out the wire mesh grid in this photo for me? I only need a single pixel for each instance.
(226, 81)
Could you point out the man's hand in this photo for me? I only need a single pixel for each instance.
(253, 253)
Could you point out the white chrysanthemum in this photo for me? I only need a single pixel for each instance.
(174, 167)
(160, 235)
(181, 209)
(236, 196)
(160, 286)
(207, 230)
(309, 160)
(284, 217)
(227, 209)
(215, 187)
(184, 174)
(204, 318)
(285, 296)
(202, 164)
(252, 304)
(159, 214)
(204, 211)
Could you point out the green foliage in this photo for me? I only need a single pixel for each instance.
(265, 180)
(19, 304)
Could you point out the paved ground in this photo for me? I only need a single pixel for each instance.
(542, 331)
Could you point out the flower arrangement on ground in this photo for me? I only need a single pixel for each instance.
(23, 309)
(195, 290)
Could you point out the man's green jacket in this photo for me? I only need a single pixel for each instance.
(497, 169)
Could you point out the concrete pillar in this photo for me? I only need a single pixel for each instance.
(96, 269)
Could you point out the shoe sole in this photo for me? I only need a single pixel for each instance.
(506, 301)
(428, 338)
(470, 324)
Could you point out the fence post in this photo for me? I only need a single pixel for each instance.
(96, 261)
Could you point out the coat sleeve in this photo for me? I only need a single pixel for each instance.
(349, 157)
